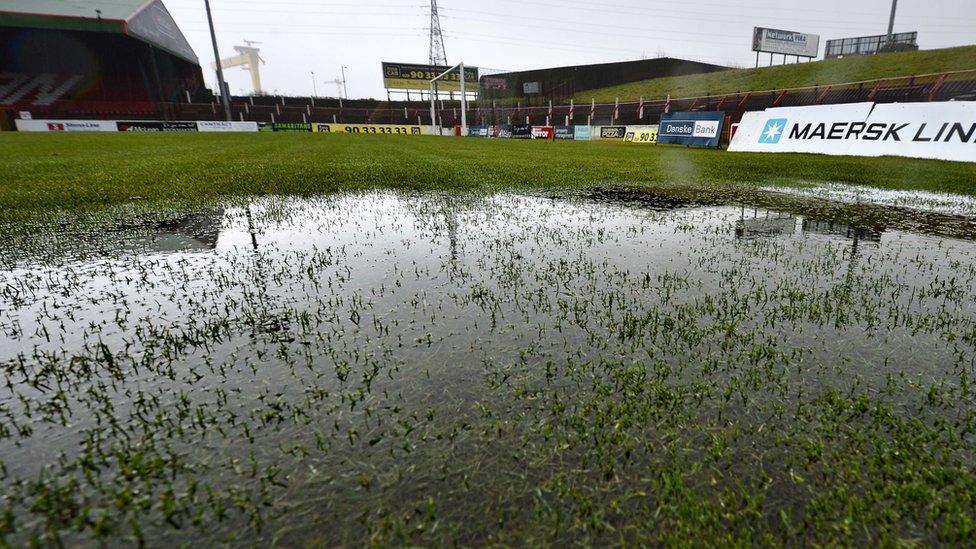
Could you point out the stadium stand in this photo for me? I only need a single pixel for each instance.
(99, 58)
(958, 85)
(563, 82)
(127, 59)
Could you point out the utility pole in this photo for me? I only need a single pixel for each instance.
(891, 22)
(345, 92)
(220, 70)
(438, 54)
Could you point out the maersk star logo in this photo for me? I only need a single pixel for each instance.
(774, 131)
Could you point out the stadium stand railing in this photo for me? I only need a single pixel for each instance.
(958, 85)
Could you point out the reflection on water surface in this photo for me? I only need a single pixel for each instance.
(433, 368)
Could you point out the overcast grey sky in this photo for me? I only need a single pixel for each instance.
(301, 36)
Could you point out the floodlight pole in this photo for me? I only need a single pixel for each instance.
(220, 70)
(891, 22)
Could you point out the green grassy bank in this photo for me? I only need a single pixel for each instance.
(820, 73)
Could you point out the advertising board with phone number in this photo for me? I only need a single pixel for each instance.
(387, 129)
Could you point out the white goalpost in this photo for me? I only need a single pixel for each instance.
(464, 98)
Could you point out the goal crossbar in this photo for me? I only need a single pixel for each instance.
(464, 98)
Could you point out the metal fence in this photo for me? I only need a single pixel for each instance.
(870, 45)
(958, 85)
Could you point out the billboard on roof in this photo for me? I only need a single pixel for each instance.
(785, 42)
(411, 76)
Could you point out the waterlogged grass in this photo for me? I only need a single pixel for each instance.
(41, 172)
(592, 367)
(792, 75)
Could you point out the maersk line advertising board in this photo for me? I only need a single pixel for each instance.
(699, 129)
(942, 130)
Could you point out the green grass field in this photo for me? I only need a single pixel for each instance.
(217, 340)
(820, 73)
(74, 171)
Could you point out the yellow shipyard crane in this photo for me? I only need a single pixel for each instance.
(248, 57)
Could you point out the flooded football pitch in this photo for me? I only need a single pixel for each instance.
(598, 367)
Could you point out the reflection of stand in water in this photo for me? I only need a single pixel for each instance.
(773, 224)
(842, 230)
(768, 225)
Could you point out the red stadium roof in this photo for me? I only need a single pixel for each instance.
(146, 20)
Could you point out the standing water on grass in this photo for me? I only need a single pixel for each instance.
(599, 368)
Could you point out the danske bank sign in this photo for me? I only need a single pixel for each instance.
(700, 129)
(690, 128)
(924, 130)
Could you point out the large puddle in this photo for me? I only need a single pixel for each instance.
(432, 368)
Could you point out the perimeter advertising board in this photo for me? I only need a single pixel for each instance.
(699, 129)
(645, 135)
(292, 127)
(521, 131)
(386, 129)
(610, 132)
(132, 126)
(209, 126)
(582, 133)
(66, 126)
(543, 132)
(156, 126)
(943, 130)
(785, 42)
(565, 132)
(478, 131)
(410, 76)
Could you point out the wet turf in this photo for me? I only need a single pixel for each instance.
(595, 365)
(40, 172)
